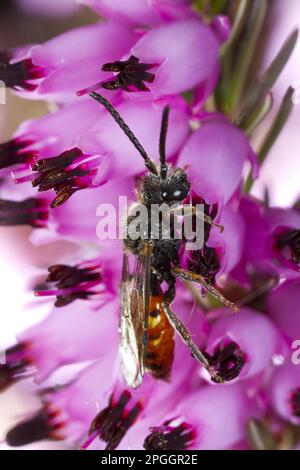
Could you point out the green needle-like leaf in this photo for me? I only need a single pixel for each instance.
(279, 123)
(253, 120)
(259, 436)
(273, 133)
(267, 80)
(227, 54)
(245, 53)
(238, 22)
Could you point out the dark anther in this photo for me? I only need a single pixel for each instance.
(15, 152)
(295, 402)
(167, 437)
(19, 75)
(131, 75)
(227, 361)
(113, 422)
(34, 429)
(58, 173)
(8, 374)
(32, 212)
(65, 277)
(205, 262)
(290, 239)
(16, 364)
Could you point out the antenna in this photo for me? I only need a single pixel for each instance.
(162, 142)
(150, 165)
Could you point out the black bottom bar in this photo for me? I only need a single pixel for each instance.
(134, 459)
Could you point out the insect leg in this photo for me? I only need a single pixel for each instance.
(186, 337)
(197, 213)
(197, 278)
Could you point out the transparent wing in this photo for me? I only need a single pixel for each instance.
(135, 294)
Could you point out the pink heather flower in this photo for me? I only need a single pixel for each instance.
(108, 409)
(67, 413)
(216, 147)
(284, 309)
(156, 64)
(141, 12)
(284, 392)
(222, 27)
(92, 151)
(197, 422)
(161, 401)
(272, 239)
(76, 220)
(46, 346)
(230, 246)
(18, 71)
(236, 353)
(178, 68)
(221, 251)
(59, 68)
(285, 230)
(144, 117)
(95, 279)
(49, 135)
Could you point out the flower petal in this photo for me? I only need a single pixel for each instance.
(180, 68)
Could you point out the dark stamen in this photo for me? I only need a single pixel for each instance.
(35, 429)
(72, 282)
(32, 212)
(131, 75)
(113, 422)
(66, 174)
(295, 402)
(290, 239)
(19, 75)
(15, 367)
(15, 152)
(169, 437)
(205, 262)
(227, 361)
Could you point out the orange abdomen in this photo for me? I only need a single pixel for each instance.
(160, 347)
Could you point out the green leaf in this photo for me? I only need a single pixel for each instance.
(211, 7)
(201, 5)
(188, 96)
(250, 122)
(278, 124)
(259, 436)
(225, 82)
(245, 53)
(219, 6)
(274, 131)
(238, 21)
(267, 80)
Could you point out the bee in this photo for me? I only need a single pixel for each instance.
(147, 321)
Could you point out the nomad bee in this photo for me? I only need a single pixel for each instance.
(147, 321)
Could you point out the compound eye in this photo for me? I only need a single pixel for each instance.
(175, 193)
(148, 195)
(179, 194)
